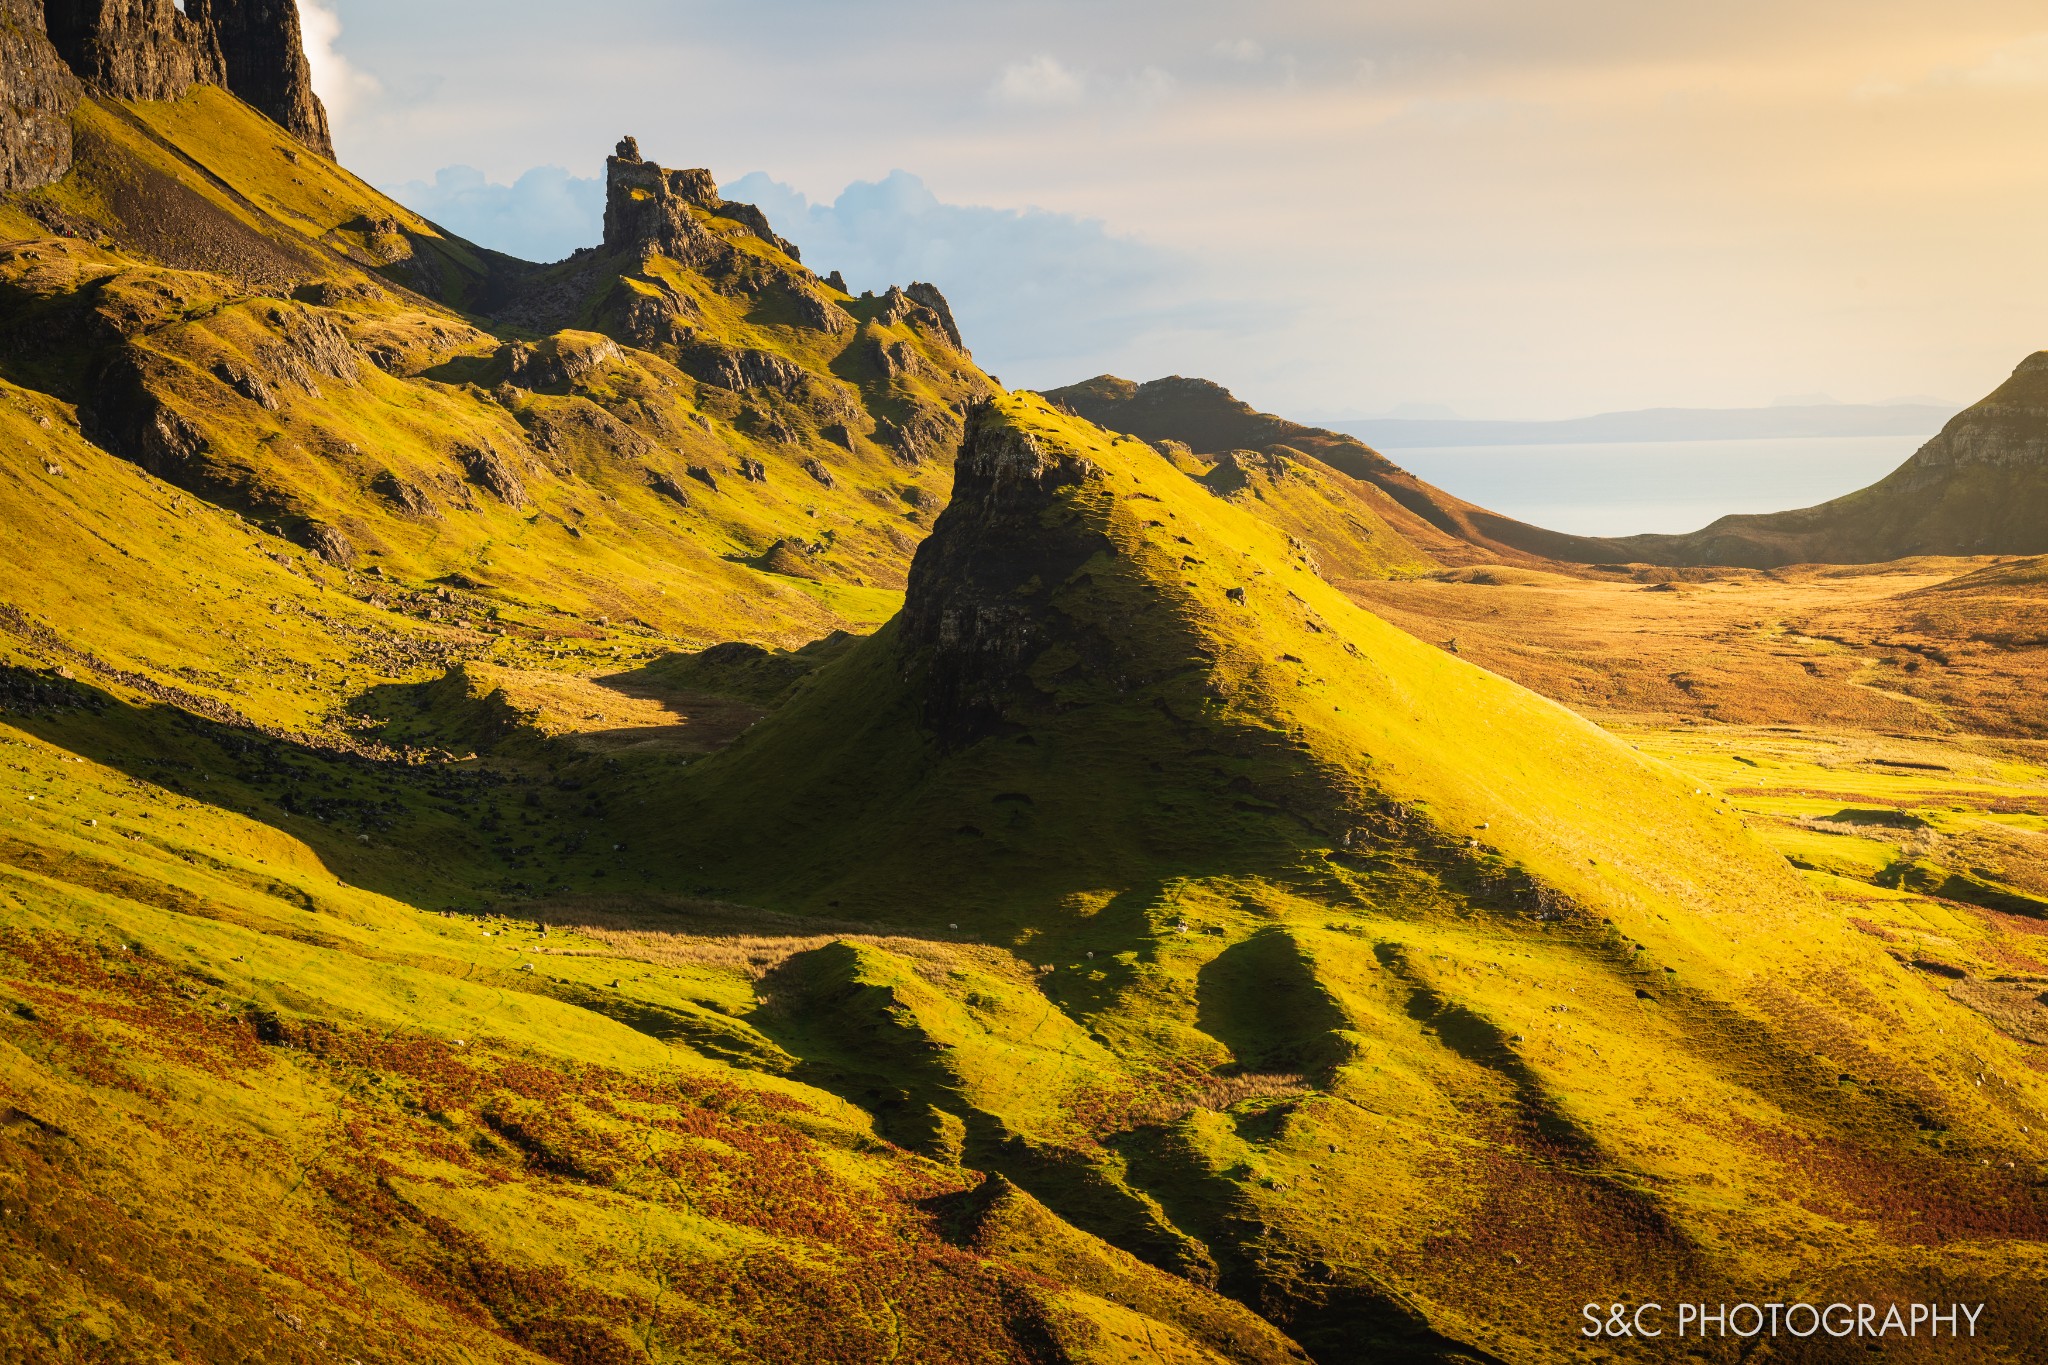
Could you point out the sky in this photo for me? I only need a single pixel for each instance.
(1335, 208)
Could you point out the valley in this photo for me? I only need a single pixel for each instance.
(645, 808)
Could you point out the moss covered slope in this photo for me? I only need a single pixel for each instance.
(1410, 1007)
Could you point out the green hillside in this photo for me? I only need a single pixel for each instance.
(284, 343)
(1420, 521)
(1976, 488)
(639, 809)
(1418, 1008)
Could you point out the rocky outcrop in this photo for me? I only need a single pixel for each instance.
(744, 370)
(490, 470)
(135, 49)
(929, 296)
(648, 206)
(263, 61)
(560, 362)
(143, 50)
(37, 94)
(976, 610)
(923, 434)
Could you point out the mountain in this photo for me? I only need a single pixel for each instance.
(1431, 526)
(1978, 487)
(640, 809)
(682, 427)
(1975, 488)
(285, 472)
(1660, 424)
(1314, 923)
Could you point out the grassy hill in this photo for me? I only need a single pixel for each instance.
(1975, 489)
(526, 833)
(1418, 1008)
(263, 331)
(1421, 521)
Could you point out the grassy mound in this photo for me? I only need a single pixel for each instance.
(1376, 962)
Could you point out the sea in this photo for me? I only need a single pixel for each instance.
(1619, 488)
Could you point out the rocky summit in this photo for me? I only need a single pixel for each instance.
(641, 808)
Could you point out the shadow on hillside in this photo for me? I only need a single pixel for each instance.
(421, 832)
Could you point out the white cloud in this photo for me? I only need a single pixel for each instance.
(1152, 86)
(542, 216)
(1241, 50)
(2017, 64)
(1040, 83)
(1043, 298)
(338, 83)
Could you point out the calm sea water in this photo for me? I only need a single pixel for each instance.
(1620, 488)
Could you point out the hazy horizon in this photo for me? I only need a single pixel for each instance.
(1508, 213)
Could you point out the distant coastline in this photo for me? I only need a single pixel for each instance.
(1658, 424)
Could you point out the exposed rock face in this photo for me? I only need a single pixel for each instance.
(930, 297)
(561, 362)
(649, 206)
(330, 544)
(136, 49)
(405, 495)
(37, 94)
(263, 57)
(646, 205)
(976, 611)
(143, 50)
(490, 470)
(920, 436)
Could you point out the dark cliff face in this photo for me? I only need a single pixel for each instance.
(263, 55)
(52, 51)
(978, 610)
(37, 94)
(135, 49)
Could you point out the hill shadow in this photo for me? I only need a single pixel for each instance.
(438, 833)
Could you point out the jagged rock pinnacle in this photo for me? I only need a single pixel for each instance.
(975, 613)
(647, 205)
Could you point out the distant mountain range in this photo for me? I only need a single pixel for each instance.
(1659, 424)
(1975, 487)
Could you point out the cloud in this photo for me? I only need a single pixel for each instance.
(2017, 64)
(1241, 50)
(341, 86)
(1040, 83)
(1042, 297)
(542, 216)
(2016, 67)
(1152, 86)
(1044, 83)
